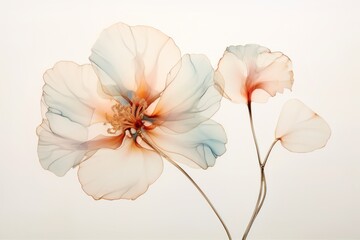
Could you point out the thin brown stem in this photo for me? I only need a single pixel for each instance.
(254, 135)
(263, 185)
(153, 146)
(259, 202)
(264, 191)
(263, 173)
(269, 151)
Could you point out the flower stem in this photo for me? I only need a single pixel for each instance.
(269, 151)
(258, 205)
(153, 146)
(263, 185)
(203, 194)
(254, 135)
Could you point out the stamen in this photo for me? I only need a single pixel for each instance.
(128, 117)
(121, 119)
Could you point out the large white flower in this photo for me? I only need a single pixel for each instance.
(137, 88)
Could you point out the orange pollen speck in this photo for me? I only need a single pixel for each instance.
(127, 117)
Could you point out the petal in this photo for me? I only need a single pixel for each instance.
(124, 173)
(59, 153)
(190, 96)
(66, 128)
(300, 129)
(253, 73)
(73, 91)
(198, 147)
(134, 59)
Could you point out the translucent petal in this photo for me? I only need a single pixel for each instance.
(66, 128)
(190, 96)
(123, 173)
(73, 91)
(198, 147)
(59, 152)
(300, 129)
(253, 73)
(134, 59)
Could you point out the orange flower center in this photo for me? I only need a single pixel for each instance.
(129, 117)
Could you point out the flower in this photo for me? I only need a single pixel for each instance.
(253, 73)
(299, 129)
(138, 90)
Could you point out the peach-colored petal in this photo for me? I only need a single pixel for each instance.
(134, 60)
(58, 154)
(198, 147)
(300, 129)
(59, 150)
(73, 91)
(253, 73)
(123, 173)
(66, 128)
(190, 96)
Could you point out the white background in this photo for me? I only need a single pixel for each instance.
(311, 196)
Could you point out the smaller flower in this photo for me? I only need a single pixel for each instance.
(253, 73)
(299, 129)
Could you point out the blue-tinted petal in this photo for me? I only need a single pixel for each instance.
(73, 91)
(198, 147)
(56, 153)
(64, 145)
(135, 59)
(190, 97)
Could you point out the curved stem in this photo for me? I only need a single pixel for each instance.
(263, 185)
(203, 194)
(268, 153)
(153, 146)
(258, 205)
(254, 135)
(264, 191)
(263, 174)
